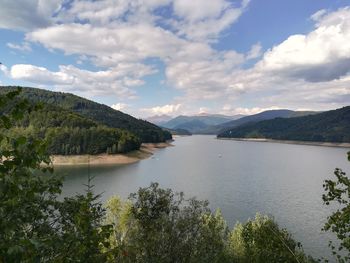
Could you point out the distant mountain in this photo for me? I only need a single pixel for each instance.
(159, 119)
(330, 126)
(265, 115)
(181, 132)
(195, 124)
(101, 114)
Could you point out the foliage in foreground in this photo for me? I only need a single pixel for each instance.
(339, 222)
(156, 225)
(34, 225)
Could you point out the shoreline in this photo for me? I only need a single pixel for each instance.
(324, 144)
(146, 150)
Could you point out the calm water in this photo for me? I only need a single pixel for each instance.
(240, 178)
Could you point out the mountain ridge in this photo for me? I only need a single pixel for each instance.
(329, 126)
(103, 114)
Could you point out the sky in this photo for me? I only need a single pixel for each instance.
(154, 57)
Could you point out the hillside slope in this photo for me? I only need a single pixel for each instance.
(330, 126)
(265, 115)
(198, 123)
(102, 114)
(68, 133)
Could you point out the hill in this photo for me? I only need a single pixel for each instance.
(265, 115)
(330, 126)
(68, 133)
(180, 132)
(197, 123)
(159, 119)
(101, 114)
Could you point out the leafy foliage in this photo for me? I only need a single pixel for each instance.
(99, 113)
(35, 226)
(330, 126)
(261, 240)
(156, 225)
(26, 201)
(339, 222)
(81, 235)
(68, 133)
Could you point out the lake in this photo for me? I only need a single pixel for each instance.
(241, 178)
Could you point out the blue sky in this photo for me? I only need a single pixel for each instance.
(152, 57)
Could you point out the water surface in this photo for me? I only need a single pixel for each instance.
(241, 178)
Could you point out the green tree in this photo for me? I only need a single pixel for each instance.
(81, 235)
(26, 200)
(35, 226)
(261, 240)
(157, 225)
(338, 192)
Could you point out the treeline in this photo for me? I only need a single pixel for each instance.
(101, 114)
(68, 133)
(330, 126)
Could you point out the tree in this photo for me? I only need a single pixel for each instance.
(339, 222)
(27, 200)
(35, 226)
(81, 233)
(261, 240)
(157, 225)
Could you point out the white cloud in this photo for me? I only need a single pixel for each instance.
(160, 110)
(40, 75)
(205, 20)
(115, 44)
(4, 69)
(25, 46)
(27, 14)
(119, 106)
(117, 80)
(229, 110)
(104, 12)
(321, 55)
(318, 15)
(196, 10)
(255, 51)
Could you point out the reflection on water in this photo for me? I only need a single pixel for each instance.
(240, 178)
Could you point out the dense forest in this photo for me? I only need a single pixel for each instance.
(102, 114)
(262, 116)
(330, 126)
(68, 133)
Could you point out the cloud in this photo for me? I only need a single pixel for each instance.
(205, 20)
(25, 46)
(117, 80)
(4, 69)
(27, 14)
(39, 75)
(318, 15)
(119, 106)
(115, 44)
(160, 110)
(229, 110)
(103, 12)
(321, 55)
(255, 51)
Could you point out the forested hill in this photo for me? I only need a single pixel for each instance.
(330, 126)
(102, 114)
(68, 133)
